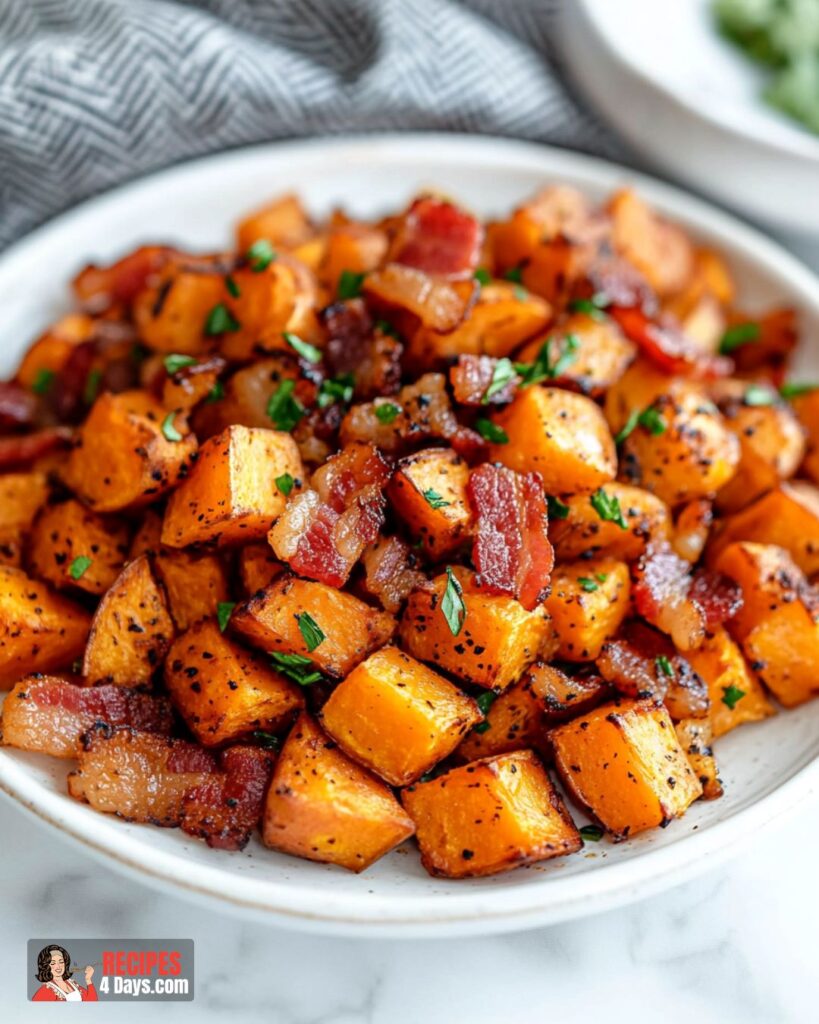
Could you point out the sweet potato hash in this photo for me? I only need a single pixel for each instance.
(366, 530)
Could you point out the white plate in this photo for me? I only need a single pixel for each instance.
(690, 101)
(767, 768)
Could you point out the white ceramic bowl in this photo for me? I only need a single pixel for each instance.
(767, 768)
(690, 102)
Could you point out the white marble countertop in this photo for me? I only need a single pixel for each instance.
(737, 945)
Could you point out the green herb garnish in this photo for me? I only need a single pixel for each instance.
(224, 610)
(175, 362)
(482, 276)
(43, 381)
(652, 421)
(387, 411)
(591, 833)
(349, 284)
(232, 287)
(607, 506)
(434, 499)
(169, 429)
(587, 584)
(796, 390)
(557, 509)
(593, 307)
(266, 739)
(221, 321)
(485, 702)
(283, 407)
(310, 631)
(737, 336)
(758, 394)
(664, 666)
(543, 368)
(336, 389)
(514, 274)
(296, 667)
(732, 695)
(503, 373)
(285, 483)
(92, 387)
(520, 293)
(260, 255)
(490, 431)
(215, 393)
(79, 567)
(302, 348)
(452, 603)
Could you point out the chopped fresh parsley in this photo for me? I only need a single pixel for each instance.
(520, 293)
(79, 567)
(629, 427)
(336, 389)
(737, 336)
(285, 483)
(664, 666)
(296, 667)
(452, 603)
(283, 407)
(266, 739)
(607, 506)
(591, 833)
(732, 695)
(485, 702)
(175, 362)
(793, 389)
(593, 307)
(434, 499)
(224, 610)
(232, 287)
(543, 368)
(490, 431)
(169, 430)
(482, 276)
(601, 577)
(387, 411)
(587, 584)
(260, 255)
(92, 387)
(758, 394)
(651, 419)
(310, 631)
(514, 274)
(302, 348)
(43, 381)
(221, 321)
(386, 328)
(502, 374)
(349, 284)
(216, 392)
(557, 509)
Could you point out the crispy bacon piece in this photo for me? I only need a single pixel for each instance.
(355, 347)
(641, 663)
(684, 607)
(17, 406)
(323, 530)
(100, 288)
(49, 714)
(666, 346)
(511, 551)
(225, 808)
(471, 378)
(391, 572)
(17, 451)
(619, 281)
(439, 239)
(424, 412)
(414, 296)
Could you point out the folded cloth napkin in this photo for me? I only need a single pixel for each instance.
(94, 92)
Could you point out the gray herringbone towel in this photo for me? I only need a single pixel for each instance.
(93, 92)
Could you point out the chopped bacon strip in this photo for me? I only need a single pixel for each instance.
(511, 552)
(411, 295)
(471, 378)
(668, 597)
(323, 531)
(390, 572)
(439, 239)
(17, 406)
(25, 449)
(225, 808)
(666, 345)
(99, 288)
(49, 714)
(355, 347)
(642, 663)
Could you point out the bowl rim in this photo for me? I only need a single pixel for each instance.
(799, 143)
(475, 910)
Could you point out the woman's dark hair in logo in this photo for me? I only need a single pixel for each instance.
(44, 962)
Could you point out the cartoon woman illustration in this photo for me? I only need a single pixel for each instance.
(54, 970)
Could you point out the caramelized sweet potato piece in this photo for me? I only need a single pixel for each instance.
(354, 248)
(498, 638)
(39, 630)
(694, 736)
(324, 807)
(257, 567)
(283, 221)
(278, 619)
(230, 496)
(49, 714)
(101, 288)
(624, 763)
(171, 314)
(397, 717)
(691, 529)
(489, 816)
(659, 249)
(587, 603)
(71, 547)
(428, 492)
(223, 691)
(21, 497)
(131, 630)
(123, 457)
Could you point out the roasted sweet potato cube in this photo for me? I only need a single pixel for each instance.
(230, 495)
(588, 601)
(736, 695)
(693, 456)
(283, 221)
(490, 816)
(325, 807)
(623, 762)
(787, 516)
(497, 640)
(692, 527)
(694, 735)
(51, 350)
(21, 497)
(428, 491)
(192, 383)
(397, 717)
(137, 775)
(123, 458)
(171, 315)
(658, 248)
(639, 386)
(73, 547)
(131, 631)
(223, 691)
(258, 566)
(581, 531)
(561, 435)
(778, 624)
(195, 584)
(281, 618)
(49, 714)
(39, 630)
(355, 248)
